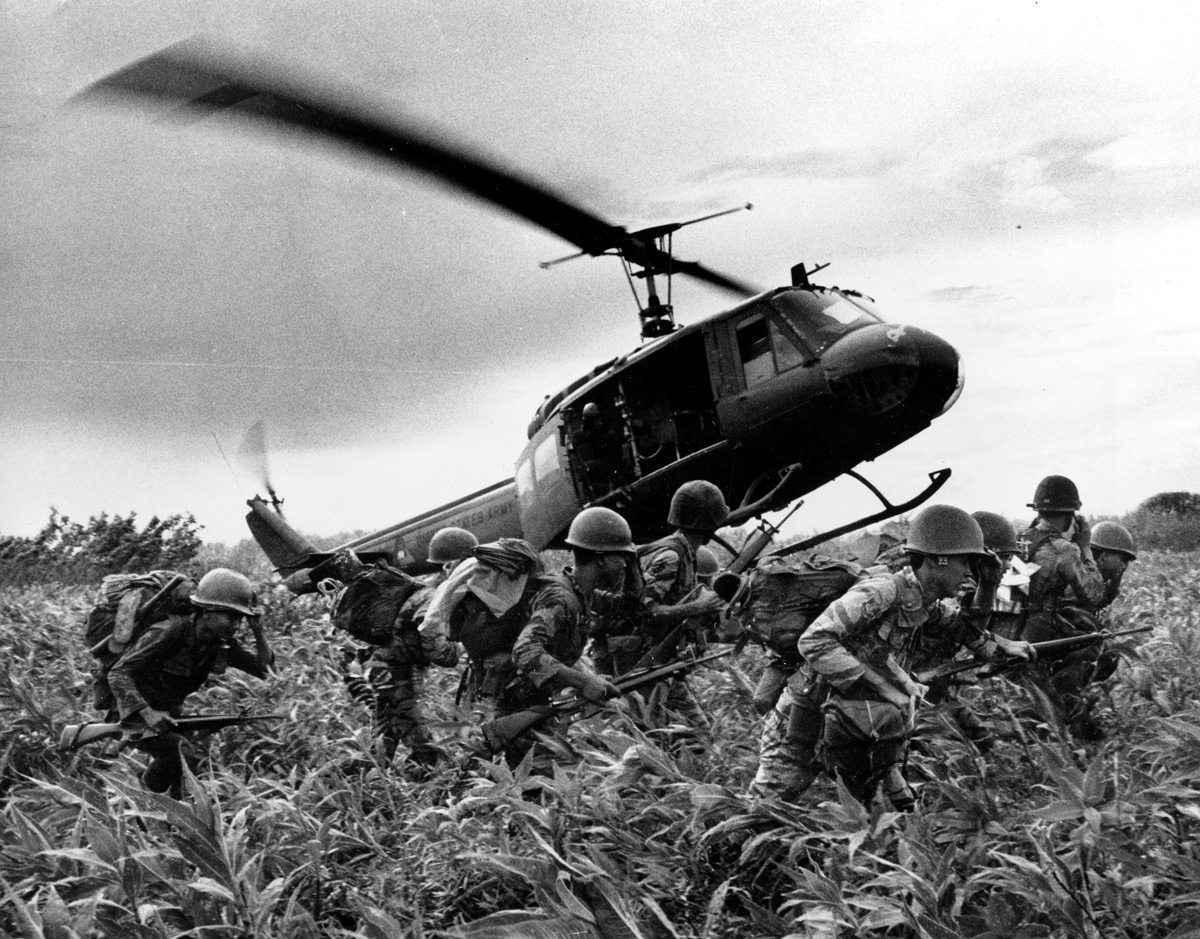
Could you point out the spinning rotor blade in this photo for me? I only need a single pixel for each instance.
(200, 82)
(252, 453)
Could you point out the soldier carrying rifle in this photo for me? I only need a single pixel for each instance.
(554, 631)
(145, 688)
(852, 706)
(1064, 591)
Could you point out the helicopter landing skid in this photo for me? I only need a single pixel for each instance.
(937, 479)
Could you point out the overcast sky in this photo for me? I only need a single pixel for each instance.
(1022, 179)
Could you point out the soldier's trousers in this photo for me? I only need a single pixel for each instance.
(398, 713)
(787, 758)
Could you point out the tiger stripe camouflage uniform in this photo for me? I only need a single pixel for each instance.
(669, 577)
(885, 616)
(1065, 580)
(554, 635)
(396, 673)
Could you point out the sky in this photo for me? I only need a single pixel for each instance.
(1020, 178)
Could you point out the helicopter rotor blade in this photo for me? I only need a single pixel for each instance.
(252, 457)
(200, 81)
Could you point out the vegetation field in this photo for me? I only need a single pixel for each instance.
(291, 830)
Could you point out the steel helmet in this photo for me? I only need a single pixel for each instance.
(601, 530)
(698, 504)
(1114, 537)
(998, 533)
(1056, 494)
(944, 530)
(223, 589)
(452, 544)
(706, 562)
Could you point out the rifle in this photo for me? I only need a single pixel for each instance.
(945, 673)
(502, 731)
(78, 735)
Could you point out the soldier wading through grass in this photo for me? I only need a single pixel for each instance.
(851, 707)
(1064, 591)
(150, 681)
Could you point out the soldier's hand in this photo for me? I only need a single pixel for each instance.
(158, 721)
(707, 602)
(1082, 536)
(1017, 650)
(598, 690)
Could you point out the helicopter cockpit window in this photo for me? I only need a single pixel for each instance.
(524, 479)
(764, 350)
(545, 458)
(823, 318)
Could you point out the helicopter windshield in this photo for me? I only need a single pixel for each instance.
(823, 318)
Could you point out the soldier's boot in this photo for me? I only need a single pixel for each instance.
(787, 787)
(898, 791)
(973, 727)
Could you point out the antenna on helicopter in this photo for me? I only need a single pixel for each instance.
(651, 250)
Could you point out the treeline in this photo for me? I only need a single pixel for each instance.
(71, 552)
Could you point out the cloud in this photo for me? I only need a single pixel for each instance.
(809, 164)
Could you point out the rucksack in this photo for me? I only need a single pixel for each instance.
(367, 607)
(128, 604)
(786, 595)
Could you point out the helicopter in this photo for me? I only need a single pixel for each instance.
(784, 392)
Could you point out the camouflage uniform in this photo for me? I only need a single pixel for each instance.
(1064, 591)
(668, 569)
(884, 616)
(941, 646)
(554, 635)
(396, 673)
(163, 666)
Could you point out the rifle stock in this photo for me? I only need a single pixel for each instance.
(79, 735)
(502, 731)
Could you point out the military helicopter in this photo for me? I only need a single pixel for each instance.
(771, 399)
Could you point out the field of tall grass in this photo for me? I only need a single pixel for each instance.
(291, 830)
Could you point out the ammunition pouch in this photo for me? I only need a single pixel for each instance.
(861, 730)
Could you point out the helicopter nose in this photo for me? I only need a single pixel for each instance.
(879, 367)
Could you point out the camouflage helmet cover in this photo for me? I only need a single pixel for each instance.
(944, 530)
(1114, 537)
(698, 504)
(601, 530)
(451, 544)
(1056, 494)
(223, 589)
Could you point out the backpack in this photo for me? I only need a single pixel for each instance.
(367, 607)
(785, 596)
(128, 604)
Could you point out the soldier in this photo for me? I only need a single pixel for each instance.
(396, 671)
(546, 652)
(1000, 538)
(670, 593)
(1065, 582)
(1113, 551)
(174, 657)
(855, 695)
